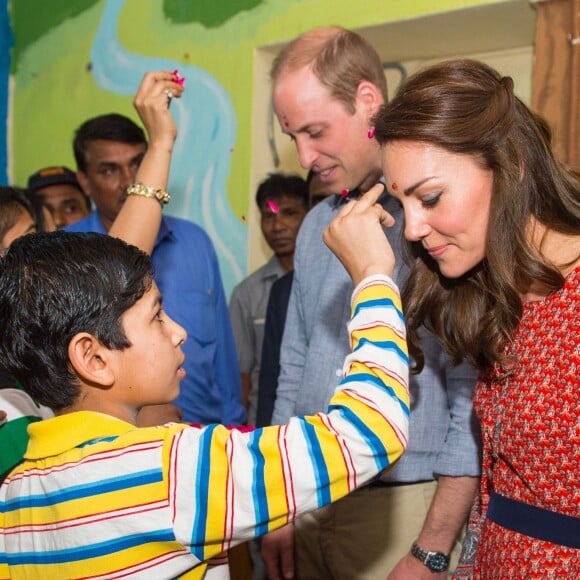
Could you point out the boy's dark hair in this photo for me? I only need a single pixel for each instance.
(13, 201)
(278, 184)
(110, 127)
(53, 286)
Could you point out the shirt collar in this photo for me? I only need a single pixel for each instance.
(54, 436)
(339, 199)
(272, 269)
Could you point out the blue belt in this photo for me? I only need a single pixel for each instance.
(534, 521)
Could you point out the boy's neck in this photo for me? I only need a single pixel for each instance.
(86, 402)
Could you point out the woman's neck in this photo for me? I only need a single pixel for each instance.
(555, 248)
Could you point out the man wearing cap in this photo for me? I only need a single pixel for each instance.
(61, 194)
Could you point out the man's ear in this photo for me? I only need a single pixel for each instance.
(91, 361)
(83, 182)
(369, 98)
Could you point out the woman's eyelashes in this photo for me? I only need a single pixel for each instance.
(431, 200)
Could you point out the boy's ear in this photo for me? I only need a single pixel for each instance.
(369, 97)
(91, 360)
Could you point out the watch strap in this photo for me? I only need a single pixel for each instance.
(435, 561)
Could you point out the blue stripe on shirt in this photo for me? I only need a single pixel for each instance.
(371, 379)
(94, 550)
(374, 442)
(202, 492)
(389, 345)
(86, 490)
(318, 464)
(259, 496)
(378, 302)
(96, 441)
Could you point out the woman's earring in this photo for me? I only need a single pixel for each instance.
(371, 133)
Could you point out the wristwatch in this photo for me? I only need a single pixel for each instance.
(435, 561)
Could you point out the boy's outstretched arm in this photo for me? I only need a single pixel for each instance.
(268, 477)
(140, 217)
(167, 499)
(240, 485)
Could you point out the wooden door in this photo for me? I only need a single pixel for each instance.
(556, 77)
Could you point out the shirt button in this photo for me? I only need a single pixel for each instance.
(339, 372)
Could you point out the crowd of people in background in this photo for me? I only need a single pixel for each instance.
(284, 414)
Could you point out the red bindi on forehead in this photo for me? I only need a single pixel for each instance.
(394, 186)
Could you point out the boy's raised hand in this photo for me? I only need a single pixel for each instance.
(357, 238)
(139, 220)
(152, 102)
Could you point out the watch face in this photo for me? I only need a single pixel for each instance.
(437, 562)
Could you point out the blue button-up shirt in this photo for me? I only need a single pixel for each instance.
(188, 276)
(443, 431)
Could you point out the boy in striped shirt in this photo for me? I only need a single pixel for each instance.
(97, 497)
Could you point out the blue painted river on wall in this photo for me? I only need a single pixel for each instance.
(207, 132)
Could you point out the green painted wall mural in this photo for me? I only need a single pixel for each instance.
(209, 14)
(32, 20)
(73, 60)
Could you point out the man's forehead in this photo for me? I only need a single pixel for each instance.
(303, 115)
(300, 107)
(300, 86)
(104, 151)
(282, 200)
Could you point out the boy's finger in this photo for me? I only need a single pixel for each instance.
(371, 196)
(347, 208)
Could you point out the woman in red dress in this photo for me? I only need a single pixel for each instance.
(493, 228)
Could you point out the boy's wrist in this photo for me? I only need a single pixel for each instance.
(143, 190)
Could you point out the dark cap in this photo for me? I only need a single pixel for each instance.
(53, 176)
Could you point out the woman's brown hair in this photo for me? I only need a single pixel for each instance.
(466, 107)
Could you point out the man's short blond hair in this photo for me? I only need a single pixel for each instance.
(339, 58)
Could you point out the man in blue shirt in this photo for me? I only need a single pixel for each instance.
(108, 150)
(327, 86)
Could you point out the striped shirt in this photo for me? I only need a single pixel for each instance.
(99, 498)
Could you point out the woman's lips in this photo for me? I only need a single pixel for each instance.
(437, 250)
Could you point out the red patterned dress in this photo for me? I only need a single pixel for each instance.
(531, 439)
